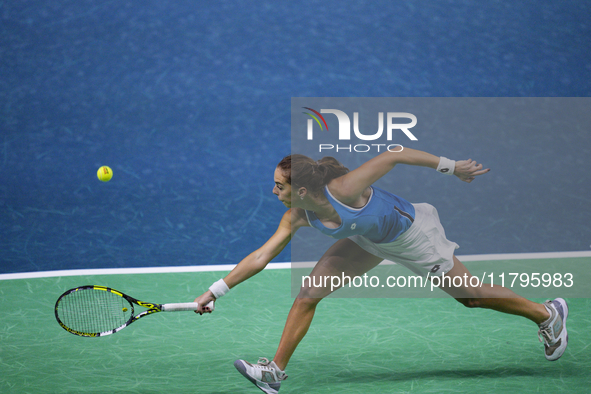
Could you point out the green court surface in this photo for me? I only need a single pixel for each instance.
(354, 345)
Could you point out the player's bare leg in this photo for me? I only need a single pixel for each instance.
(549, 316)
(345, 256)
(491, 297)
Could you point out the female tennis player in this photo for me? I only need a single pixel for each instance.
(371, 225)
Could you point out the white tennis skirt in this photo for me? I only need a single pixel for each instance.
(422, 248)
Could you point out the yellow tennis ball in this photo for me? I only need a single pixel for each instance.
(124, 309)
(104, 173)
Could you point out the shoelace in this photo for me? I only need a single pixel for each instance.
(264, 362)
(545, 333)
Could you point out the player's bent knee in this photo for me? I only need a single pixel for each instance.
(469, 297)
(470, 302)
(307, 303)
(313, 293)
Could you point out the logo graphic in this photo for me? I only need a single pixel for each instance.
(345, 124)
(267, 377)
(344, 132)
(311, 125)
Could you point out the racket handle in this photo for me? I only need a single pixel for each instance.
(184, 306)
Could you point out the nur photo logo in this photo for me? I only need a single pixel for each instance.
(344, 130)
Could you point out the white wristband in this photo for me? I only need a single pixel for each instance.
(446, 166)
(219, 289)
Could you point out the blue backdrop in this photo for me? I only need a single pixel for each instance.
(189, 103)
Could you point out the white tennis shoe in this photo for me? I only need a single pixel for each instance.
(553, 331)
(265, 375)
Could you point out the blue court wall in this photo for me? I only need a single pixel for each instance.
(189, 103)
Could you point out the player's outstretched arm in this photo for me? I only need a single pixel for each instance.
(355, 182)
(256, 261)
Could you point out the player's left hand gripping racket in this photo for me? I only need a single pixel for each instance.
(96, 311)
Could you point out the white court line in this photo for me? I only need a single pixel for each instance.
(229, 267)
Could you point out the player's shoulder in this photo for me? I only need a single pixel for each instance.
(296, 217)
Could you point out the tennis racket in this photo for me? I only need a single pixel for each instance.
(96, 311)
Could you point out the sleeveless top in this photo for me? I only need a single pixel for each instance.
(383, 219)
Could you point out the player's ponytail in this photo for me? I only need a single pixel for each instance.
(330, 168)
(302, 171)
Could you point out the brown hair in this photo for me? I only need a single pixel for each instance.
(313, 175)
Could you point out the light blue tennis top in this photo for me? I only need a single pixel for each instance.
(383, 219)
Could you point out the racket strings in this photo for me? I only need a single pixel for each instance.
(94, 311)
